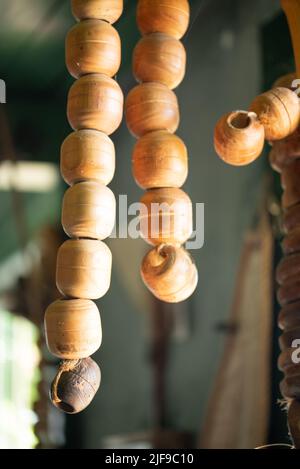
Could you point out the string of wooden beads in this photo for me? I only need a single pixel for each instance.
(160, 160)
(239, 136)
(94, 110)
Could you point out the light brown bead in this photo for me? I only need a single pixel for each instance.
(289, 316)
(83, 268)
(290, 178)
(291, 218)
(166, 216)
(239, 138)
(151, 106)
(160, 159)
(163, 16)
(288, 267)
(73, 328)
(285, 81)
(279, 111)
(75, 385)
(289, 292)
(291, 242)
(95, 102)
(170, 273)
(159, 58)
(89, 211)
(93, 46)
(87, 155)
(107, 10)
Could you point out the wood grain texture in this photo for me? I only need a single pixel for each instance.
(159, 58)
(239, 138)
(83, 269)
(160, 159)
(93, 46)
(87, 155)
(166, 216)
(73, 328)
(150, 107)
(169, 273)
(107, 10)
(279, 112)
(95, 102)
(163, 16)
(89, 211)
(75, 385)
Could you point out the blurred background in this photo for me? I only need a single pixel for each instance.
(201, 374)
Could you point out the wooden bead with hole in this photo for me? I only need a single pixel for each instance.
(93, 46)
(107, 10)
(279, 111)
(73, 328)
(290, 183)
(75, 385)
(87, 155)
(89, 211)
(163, 16)
(150, 107)
(166, 216)
(289, 316)
(83, 268)
(159, 58)
(160, 159)
(169, 273)
(239, 138)
(95, 102)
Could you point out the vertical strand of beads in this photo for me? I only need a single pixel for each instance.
(160, 160)
(94, 110)
(285, 158)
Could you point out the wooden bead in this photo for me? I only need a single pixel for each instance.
(285, 81)
(287, 338)
(89, 211)
(83, 268)
(160, 159)
(107, 10)
(161, 58)
(93, 46)
(75, 385)
(87, 155)
(289, 292)
(73, 328)
(290, 177)
(239, 138)
(286, 151)
(151, 106)
(291, 242)
(288, 267)
(289, 316)
(170, 273)
(166, 216)
(163, 16)
(285, 359)
(290, 385)
(278, 110)
(291, 218)
(95, 102)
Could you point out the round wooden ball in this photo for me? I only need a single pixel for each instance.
(87, 155)
(160, 159)
(73, 328)
(89, 211)
(151, 106)
(239, 138)
(83, 268)
(279, 112)
(95, 102)
(169, 273)
(93, 46)
(166, 216)
(160, 58)
(75, 385)
(290, 176)
(289, 292)
(107, 10)
(163, 16)
(285, 81)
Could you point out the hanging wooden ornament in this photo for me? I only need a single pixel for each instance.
(95, 108)
(160, 160)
